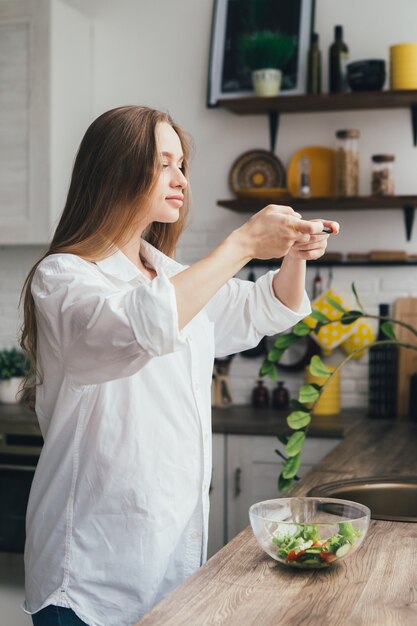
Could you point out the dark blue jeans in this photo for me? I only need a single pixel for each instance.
(56, 616)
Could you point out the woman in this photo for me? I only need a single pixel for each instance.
(123, 338)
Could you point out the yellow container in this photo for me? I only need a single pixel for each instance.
(329, 403)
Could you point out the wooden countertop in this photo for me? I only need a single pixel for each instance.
(376, 586)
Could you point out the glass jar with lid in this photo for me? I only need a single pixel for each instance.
(347, 163)
(382, 183)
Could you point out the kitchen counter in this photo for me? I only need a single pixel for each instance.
(376, 586)
(246, 420)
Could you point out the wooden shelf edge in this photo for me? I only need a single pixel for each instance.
(387, 99)
(244, 205)
(334, 263)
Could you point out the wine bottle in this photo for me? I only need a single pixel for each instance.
(338, 57)
(383, 372)
(314, 66)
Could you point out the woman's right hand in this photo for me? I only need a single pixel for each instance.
(271, 232)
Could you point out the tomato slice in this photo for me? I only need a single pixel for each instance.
(327, 556)
(293, 555)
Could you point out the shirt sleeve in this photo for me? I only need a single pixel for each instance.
(102, 332)
(244, 311)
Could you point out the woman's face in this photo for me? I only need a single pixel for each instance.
(167, 196)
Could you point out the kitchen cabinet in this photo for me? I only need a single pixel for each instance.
(45, 106)
(245, 471)
(355, 101)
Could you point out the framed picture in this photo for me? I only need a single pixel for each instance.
(228, 76)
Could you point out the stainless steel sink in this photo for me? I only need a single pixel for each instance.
(393, 499)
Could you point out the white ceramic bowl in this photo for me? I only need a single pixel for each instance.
(309, 533)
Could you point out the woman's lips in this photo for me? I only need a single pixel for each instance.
(177, 201)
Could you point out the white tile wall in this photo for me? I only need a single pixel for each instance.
(374, 285)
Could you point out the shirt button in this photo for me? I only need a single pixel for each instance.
(204, 488)
(196, 386)
(195, 535)
(206, 438)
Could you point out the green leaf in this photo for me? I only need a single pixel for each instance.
(285, 341)
(295, 405)
(295, 443)
(268, 369)
(291, 466)
(318, 368)
(350, 316)
(284, 483)
(275, 355)
(301, 329)
(308, 393)
(298, 419)
(336, 305)
(283, 439)
(320, 317)
(388, 330)
(358, 302)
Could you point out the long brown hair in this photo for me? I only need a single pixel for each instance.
(114, 172)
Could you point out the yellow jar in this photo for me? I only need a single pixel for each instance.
(329, 403)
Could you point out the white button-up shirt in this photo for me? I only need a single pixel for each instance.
(118, 511)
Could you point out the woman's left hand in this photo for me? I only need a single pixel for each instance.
(316, 245)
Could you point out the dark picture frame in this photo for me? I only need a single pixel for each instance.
(227, 77)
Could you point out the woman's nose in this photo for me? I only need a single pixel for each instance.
(179, 180)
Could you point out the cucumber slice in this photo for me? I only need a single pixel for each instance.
(343, 550)
(314, 550)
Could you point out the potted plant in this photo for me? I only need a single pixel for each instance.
(14, 366)
(266, 54)
(309, 394)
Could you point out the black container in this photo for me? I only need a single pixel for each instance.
(280, 397)
(383, 372)
(260, 396)
(367, 75)
(314, 66)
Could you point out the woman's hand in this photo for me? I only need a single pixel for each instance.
(274, 232)
(316, 246)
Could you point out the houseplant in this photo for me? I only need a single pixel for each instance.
(300, 417)
(266, 54)
(14, 366)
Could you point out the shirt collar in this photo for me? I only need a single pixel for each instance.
(119, 266)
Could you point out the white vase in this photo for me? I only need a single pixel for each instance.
(266, 82)
(9, 389)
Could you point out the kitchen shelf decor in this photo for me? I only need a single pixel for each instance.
(350, 101)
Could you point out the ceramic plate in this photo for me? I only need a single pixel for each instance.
(256, 169)
(322, 171)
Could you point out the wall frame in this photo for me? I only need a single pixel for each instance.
(226, 77)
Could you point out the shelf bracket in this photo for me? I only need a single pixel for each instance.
(408, 220)
(273, 117)
(413, 109)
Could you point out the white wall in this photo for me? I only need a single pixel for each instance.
(155, 52)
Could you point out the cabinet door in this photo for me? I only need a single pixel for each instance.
(44, 103)
(216, 535)
(252, 472)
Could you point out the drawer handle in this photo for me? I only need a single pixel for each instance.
(238, 476)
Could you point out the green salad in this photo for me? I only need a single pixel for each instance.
(300, 545)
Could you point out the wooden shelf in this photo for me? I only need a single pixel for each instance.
(321, 102)
(323, 262)
(406, 203)
(350, 101)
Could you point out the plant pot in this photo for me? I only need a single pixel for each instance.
(9, 389)
(266, 82)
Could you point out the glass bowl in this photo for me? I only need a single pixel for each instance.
(309, 533)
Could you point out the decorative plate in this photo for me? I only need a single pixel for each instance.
(257, 169)
(322, 171)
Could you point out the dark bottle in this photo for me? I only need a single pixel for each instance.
(338, 57)
(260, 396)
(383, 372)
(280, 397)
(314, 66)
(317, 285)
